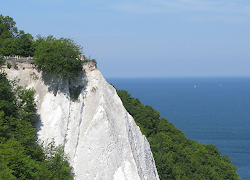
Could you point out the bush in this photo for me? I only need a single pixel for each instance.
(15, 66)
(58, 57)
(8, 65)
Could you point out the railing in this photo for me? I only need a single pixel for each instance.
(26, 59)
(82, 57)
(18, 58)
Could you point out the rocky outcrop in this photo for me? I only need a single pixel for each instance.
(88, 118)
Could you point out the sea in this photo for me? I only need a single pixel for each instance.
(209, 110)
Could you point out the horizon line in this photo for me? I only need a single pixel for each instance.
(174, 77)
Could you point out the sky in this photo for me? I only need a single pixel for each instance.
(147, 38)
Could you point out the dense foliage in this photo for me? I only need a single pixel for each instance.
(13, 41)
(20, 155)
(2, 60)
(176, 156)
(55, 56)
(58, 56)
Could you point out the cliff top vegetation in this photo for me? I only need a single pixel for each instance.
(60, 57)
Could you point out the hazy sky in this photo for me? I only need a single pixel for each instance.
(147, 38)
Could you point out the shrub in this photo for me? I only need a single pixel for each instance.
(8, 65)
(15, 66)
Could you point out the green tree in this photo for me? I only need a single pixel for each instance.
(8, 32)
(24, 44)
(13, 41)
(8, 47)
(58, 162)
(58, 57)
(8, 27)
(2, 60)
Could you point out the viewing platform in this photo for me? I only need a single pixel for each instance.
(18, 62)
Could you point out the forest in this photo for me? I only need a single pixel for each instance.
(177, 157)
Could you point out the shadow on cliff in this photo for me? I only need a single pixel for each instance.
(72, 88)
(38, 124)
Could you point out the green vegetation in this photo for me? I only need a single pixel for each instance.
(58, 56)
(2, 60)
(8, 65)
(20, 155)
(13, 41)
(55, 56)
(177, 157)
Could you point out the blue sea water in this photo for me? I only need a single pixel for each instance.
(209, 110)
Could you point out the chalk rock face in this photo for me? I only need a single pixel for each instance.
(88, 118)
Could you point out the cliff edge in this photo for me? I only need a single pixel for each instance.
(88, 118)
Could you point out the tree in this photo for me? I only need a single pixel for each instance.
(8, 47)
(57, 162)
(8, 32)
(13, 41)
(2, 60)
(58, 57)
(24, 44)
(8, 27)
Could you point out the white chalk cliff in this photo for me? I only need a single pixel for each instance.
(99, 135)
